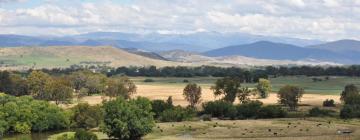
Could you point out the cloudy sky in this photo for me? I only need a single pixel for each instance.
(309, 19)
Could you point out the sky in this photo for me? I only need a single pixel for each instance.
(306, 19)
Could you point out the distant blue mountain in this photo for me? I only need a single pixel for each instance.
(279, 51)
(205, 40)
(210, 43)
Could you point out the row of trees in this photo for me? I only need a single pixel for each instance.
(62, 88)
(248, 75)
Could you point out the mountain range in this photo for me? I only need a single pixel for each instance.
(205, 45)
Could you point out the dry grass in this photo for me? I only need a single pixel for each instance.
(164, 91)
(256, 129)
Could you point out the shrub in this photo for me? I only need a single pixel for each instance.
(317, 112)
(159, 106)
(271, 111)
(329, 103)
(249, 109)
(86, 116)
(24, 115)
(177, 114)
(149, 80)
(220, 109)
(82, 134)
(128, 120)
(206, 117)
(185, 81)
(350, 111)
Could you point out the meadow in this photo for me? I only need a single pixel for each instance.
(262, 129)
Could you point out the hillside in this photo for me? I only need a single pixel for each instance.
(235, 60)
(50, 57)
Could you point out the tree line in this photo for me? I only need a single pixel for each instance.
(246, 74)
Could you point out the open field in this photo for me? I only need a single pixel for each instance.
(162, 88)
(274, 129)
(333, 86)
(270, 129)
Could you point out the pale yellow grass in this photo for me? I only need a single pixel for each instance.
(164, 91)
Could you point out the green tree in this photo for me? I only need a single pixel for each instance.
(169, 101)
(228, 87)
(16, 86)
(120, 87)
(128, 120)
(244, 94)
(192, 94)
(263, 87)
(86, 116)
(350, 91)
(58, 91)
(290, 96)
(36, 82)
(95, 83)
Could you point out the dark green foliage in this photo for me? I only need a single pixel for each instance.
(149, 80)
(290, 96)
(220, 109)
(329, 103)
(350, 111)
(249, 109)
(86, 116)
(185, 81)
(271, 111)
(350, 92)
(159, 106)
(317, 112)
(13, 84)
(128, 120)
(24, 114)
(177, 114)
(82, 134)
(228, 87)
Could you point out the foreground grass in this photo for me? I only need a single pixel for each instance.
(273, 129)
(269, 129)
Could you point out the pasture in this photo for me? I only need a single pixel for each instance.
(163, 87)
(265, 129)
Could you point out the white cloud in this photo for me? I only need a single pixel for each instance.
(315, 19)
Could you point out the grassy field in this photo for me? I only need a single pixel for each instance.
(162, 88)
(333, 86)
(271, 129)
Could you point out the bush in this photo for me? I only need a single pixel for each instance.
(185, 81)
(220, 109)
(128, 120)
(206, 117)
(271, 111)
(317, 112)
(159, 106)
(24, 115)
(86, 116)
(249, 109)
(329, 103)
(82, 134)
(177, 114)
(350, 111)
(149, 80)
